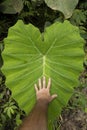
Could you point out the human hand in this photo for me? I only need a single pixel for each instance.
(43, 91)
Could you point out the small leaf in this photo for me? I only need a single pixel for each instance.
(78, 17)
(18, 120)
(13, 107)
(86, 110)
(9, 112)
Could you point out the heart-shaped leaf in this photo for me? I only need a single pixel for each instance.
(27, 58)
(65, 6)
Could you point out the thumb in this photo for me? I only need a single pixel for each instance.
(53, 96)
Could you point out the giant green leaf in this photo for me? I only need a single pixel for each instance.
(28, 57)
(64, 6)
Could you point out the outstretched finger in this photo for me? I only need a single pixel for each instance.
(44, 82)
(40, 86)
(49, 83)
(36, 88)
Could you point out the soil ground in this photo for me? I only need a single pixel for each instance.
(75, 119)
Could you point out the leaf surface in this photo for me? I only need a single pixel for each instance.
(27, 58)
(64, 6)
(11, 6)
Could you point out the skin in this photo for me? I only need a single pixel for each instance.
(37, 119)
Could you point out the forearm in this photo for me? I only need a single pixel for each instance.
(37, 120)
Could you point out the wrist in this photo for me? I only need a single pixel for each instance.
(42, 103)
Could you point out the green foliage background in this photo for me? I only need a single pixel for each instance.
(40, 15)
